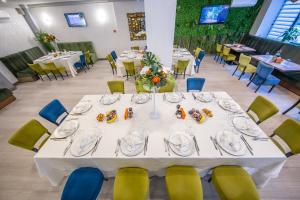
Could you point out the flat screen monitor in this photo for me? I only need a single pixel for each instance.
(214, 14)
(75, 19)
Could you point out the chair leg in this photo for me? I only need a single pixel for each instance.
(61, 76)
(293, 106)
(235, 70)
(67, 73)
(243, 72)
(258, 88)
(54, 76)
(184, 74)
(48, 77)
(251, 76)
(41, 77)
(271, 88)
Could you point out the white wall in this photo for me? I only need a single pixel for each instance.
(102, 19)
(160, 26)
(15, 35)
(266, 17)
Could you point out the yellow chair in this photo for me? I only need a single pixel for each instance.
(180, 68)
(29, 135)
(169, 87)
(219, 53)
(88, 58)
(56, 70)
(244, 66)
(197, 51)
(131, 184)
(261, 109)
(112, 63)
(183, 182)
(234, 183)
(39, 70)
(142, 64)
(227, 56)
(129, 68)
(116, 86)
(135, 48)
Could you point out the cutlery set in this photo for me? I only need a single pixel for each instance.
(216, 144)
(247, 145)
(146, 145)
(167, 146)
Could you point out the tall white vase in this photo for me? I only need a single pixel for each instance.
(154, 114)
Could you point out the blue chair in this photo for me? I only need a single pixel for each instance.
(199, 60)
(195, 84)
(114, 55)
(81, 64)
(83, 184)
(53, 111)
(263, 76)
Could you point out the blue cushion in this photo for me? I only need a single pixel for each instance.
(114, 55)
(78, 65)
(83, 184)
(53, 111)
(270, 80)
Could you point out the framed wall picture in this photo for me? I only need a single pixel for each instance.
(137, 26)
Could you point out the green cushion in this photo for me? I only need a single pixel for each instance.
(183, 182)
(234, 183)
(33, 54)
(4, 93)
(131, 184)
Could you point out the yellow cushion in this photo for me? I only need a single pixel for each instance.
(234, 183)
(250, 68)
(182, 183)
(131, 184)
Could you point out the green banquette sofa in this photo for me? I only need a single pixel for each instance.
(6, 97)
(17, 63)
(79, 46)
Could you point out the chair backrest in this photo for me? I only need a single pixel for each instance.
(263, 70)
(116, 86)
(219, 48)
(114, 55)
(50, 66)
(201, 55)
(83, 183)
(169, 87)
(142, 63)
(52, 111)
(182, 65)
(244, 60)
(37, 68)
(129, 66)
(289, 131)
(261, 109)
(82, 59)
(88, 57)
(28, 135)
(135, 48)
(140, 88)
(197, 51)
(195, 84)
(226, 51)
(111, 61)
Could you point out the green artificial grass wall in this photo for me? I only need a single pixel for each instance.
(189, 34)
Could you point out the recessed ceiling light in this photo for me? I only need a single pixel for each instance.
(4, 1)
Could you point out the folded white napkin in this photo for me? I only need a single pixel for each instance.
(230, 141)
(181, 142)
(133, 142)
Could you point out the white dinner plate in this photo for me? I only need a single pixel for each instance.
(132, 144)
(204, 97)
(173, 97)
(245, 126)
(231, 143)
(181, 144)
(83, 144)
(81, 108)
(229, 105)
(67, 128)
(109, 99)
(141, 98)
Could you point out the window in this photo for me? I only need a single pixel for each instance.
(286, 19)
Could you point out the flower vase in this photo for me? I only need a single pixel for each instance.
(55, 46)
(154, 114)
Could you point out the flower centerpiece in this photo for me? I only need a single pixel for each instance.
(47, 40)
(153, 78)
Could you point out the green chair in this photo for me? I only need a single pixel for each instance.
(112, 63)
(183, 182)
(289, 132)
(227, 56)
(169, 87)
(140, 88)
(39, 70)
(88, 58)
(261, 109)
(244, 66)
(234, 183)
(56, 70)
(180, 68)
(197, 51)
(219, 53)
(130, 68)
(29, 135)
(135, 48)
(131, 184)
(116, 86)
(142, 64)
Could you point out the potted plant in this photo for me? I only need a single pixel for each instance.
(290, 35)
(47, 40)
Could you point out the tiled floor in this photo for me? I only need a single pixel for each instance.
(18, 175)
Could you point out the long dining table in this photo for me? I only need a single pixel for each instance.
(263, 162)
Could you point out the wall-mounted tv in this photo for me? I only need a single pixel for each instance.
(214, 14)
(75, 19)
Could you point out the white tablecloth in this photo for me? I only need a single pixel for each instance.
(66, 60)
(126, 56)
(264, 165)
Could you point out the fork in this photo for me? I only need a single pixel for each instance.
(118, 147)
(96, 145)
(68, 147)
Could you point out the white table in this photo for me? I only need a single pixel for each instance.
(266, 163)
(66, 60)
(137, 57)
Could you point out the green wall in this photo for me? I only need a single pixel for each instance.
(190, 35)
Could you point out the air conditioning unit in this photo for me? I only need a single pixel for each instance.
(243, 3)
(4, 15)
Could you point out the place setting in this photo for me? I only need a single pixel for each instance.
(173, 97)
(81, 108)
(66, 129)
(230, 105)
(132, 144)
(109, 99)
(141, 98)
(204, 97)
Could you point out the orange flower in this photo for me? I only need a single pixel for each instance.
(149, 72)
(155, 79)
